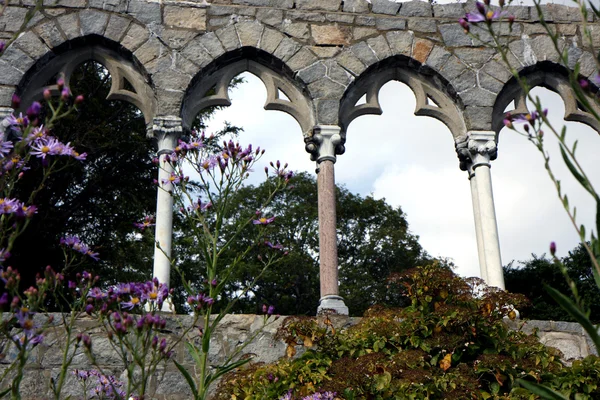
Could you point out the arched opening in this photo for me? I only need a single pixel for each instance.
(98, 199)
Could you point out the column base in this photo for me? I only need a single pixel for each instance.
(332, 303)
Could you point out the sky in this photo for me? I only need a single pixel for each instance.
(410, 162)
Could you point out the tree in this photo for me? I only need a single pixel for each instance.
(531, 277)
(373, 241)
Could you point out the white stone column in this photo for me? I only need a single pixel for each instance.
(166, 131)
(482, 149)
(477, 219)
(325, 143)
(4, 112)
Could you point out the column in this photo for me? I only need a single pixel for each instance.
(4, 112)
(166, 131)
(482, 149)
(324, 144)
(477, 219)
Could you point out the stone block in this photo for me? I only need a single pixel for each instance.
(544, 48)
(478, 118)
(92, 22)
(116, 28)
(572, 346)
(69, 24)
(219, 22)
(452, 68)
(416, 8)
(323, 5)
(350, 62)
(270, 40)
(71, 3)
(150, 50)
(266, 3)
(380, 47)
(356, 6)
(109, 5)
(31, 44)
(497, 70)
(438, 57)
(421, 49)
(364, 20)
(286, 49)
(312, 73)
(475, 57)
(453, 35)
(305, 16)
(17, 58)
(136, 35)
(452, 10)
(6, 93)
(364, 53)
(340, 17)
(325, 52)
(12, 18)
(144, 11)
(331, 34)
(466, 80)
(171, 79)
(50, 34)
(386, 24)
(360, 33)
(185, 17)
(338, 74)
(587, 64)
(269, 16)
(295, 29)
(229, 38)
(400, 42)
(384, 7)
(422, 25)
(196, 53)
(327, 111)
(212, 44)
(519, 12)
(301, 59)
(249, 33)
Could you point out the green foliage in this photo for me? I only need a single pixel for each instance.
(530, 278)
(373, 242)
(449, 343)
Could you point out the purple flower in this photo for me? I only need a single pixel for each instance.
(481, 15)
(15, 101)
(4, 255)
(75, 243)
(19, 121)
(553, 248)
(5, 148)
(146, 223)
(271, 310)
(46, 146)
(34, 110)
(263, 221)
(277, 246)
(9, 206)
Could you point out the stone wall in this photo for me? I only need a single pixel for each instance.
(233, 332)
(322, 47)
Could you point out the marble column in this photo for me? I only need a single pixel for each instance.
(324, 144)
(166, 131)
(481, 146)
(477, 219)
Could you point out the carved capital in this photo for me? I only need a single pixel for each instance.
(166, 130)
(476, 149)
(325, 143)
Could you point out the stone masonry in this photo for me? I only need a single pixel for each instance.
(233, 331)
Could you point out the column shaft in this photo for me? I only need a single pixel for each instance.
(489, 227)
(164, 224)
(327, 229)
(478, 233)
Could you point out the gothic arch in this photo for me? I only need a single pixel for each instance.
(210, 87)
(129, 83)
(550, 76)
(432, 93)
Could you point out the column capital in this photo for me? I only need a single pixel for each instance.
(475, 149)
(326, 142)
(166, 130)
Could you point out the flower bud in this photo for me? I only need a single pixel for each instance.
(15, 101)
(552, 248)
(47, 94)
(34, 110)
(79, 99)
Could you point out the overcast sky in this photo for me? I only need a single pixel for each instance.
(410, 161)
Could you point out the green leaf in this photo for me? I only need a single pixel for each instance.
(193, 352)
(4, 393)
(573, 169)
(188, 378)
(543, 391)
(582, 232)
(576, 313)
(222, 370)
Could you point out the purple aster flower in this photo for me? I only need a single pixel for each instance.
(5, 148)
(9, 206)
(277, 246)
(19, 121)
(263, 221)
(146, 223)
(481, 14)
(132, 303)
(46, 146)
(208, 163)
(34, 110)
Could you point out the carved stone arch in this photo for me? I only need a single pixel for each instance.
(210, 87)
(432, 93)
(550, 76)
(129, 82)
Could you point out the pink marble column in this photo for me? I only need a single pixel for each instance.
(323, 144)
(327, 229)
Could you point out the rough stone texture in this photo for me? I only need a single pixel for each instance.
(384, 7)
(135, 37)
(331, 34)
(92, 22)
(50, 34)
(12, 18)
(116, 28)
(356, 6)
(32, 45)
(70, 25)
(249, 33)
(416, 8)
(386, 24)
(325, 5)
(185, 17)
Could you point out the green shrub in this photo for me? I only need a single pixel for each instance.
(450, 343)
